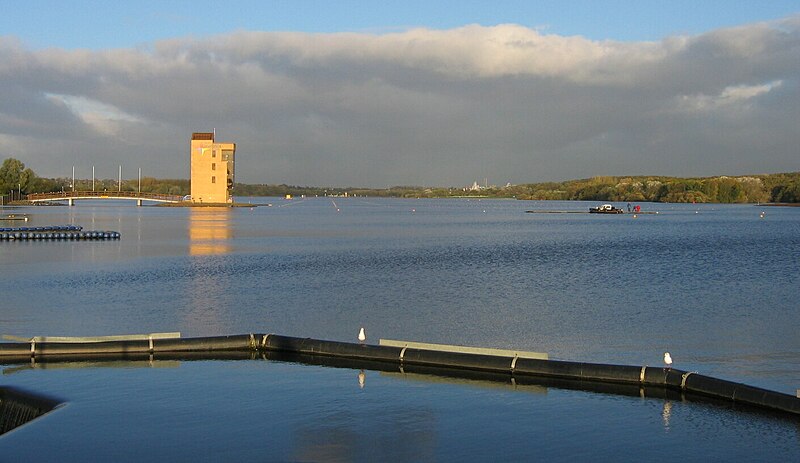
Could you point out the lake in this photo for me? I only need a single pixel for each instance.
(715, 285)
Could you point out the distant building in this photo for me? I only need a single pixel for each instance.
(212, 167)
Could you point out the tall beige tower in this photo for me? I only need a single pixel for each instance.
(212, 169)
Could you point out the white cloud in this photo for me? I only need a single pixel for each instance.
(102, 117)
(416, 107)
(463, 53)
(735, 97)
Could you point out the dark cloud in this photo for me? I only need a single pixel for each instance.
(422, 107)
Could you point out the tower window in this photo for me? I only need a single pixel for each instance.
(213, 179)
(213, 166)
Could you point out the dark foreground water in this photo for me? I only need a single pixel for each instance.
(715, 285)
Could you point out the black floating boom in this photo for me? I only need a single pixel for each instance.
(349, 354)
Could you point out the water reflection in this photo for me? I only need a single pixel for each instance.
(469, 379)
(150, 362)
(362, 378)
(666, 412)
(210, 235)
(209, 231)
(391, 433)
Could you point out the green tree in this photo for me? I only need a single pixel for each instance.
(15, 177)
(788, 193)
(730, 191)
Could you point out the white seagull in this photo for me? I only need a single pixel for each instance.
(668, 359)
(362, 336)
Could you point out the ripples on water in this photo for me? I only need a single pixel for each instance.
(710, 286)
(714, 285)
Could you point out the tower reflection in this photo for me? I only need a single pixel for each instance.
(210, 234)
(209, 230)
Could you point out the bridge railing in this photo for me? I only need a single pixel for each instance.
(102, 194)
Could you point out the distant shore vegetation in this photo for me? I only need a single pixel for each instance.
(16, 180)
(776, 188)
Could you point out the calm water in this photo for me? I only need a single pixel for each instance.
(715, 285)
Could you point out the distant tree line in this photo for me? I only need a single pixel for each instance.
(17, 180)
(782, 188)
(242, 189)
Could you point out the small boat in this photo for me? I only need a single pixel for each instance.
(605, 209)
(14, 217)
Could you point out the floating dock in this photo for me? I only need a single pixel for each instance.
(55, 233)
(21, 217)
(67, 228)
(507, 365)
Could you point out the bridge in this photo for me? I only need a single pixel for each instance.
(72, 196)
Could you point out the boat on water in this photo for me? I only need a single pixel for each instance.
(605, 209)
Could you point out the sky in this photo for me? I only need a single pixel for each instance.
(377, 94)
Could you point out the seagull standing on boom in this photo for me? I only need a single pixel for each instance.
(362, 336)
(668, 359)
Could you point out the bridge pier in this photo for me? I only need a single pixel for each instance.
(71, 202)
(138, 202)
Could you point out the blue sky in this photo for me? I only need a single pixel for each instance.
(110, 24)
(436, 93)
